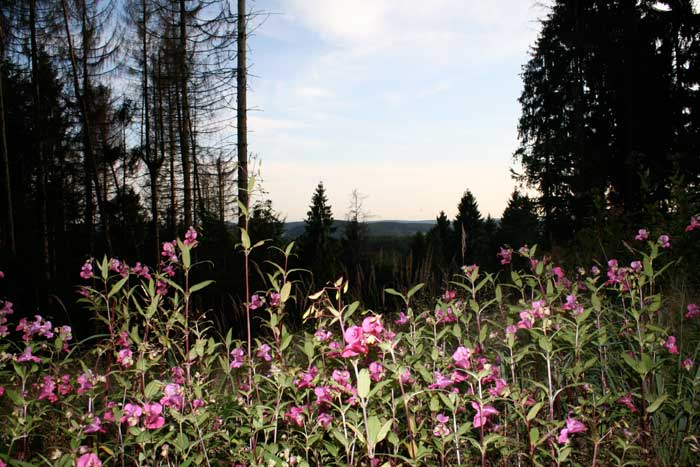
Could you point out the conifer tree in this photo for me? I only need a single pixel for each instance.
(318, 247)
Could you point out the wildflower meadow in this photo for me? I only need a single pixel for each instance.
(550, 366)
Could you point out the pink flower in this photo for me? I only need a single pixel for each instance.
(483, 412)
(124, 358)
(178, 375)
(687, 364)
(237, 356)
(573, 305)
(572, 426)
(64, 386)
(191, 237)
(152, 418)
(448, 296)
(405, 377)
(506, 255)
(461, 357)
(170, 251)
(440, 428)
(123, 339)
(95, 426)
(627, 401)
(441, 381)
(499, 387)
(636, 266)
(86, 270)
(324, 419)
(141, 271)
(264, 352)
(132, 414)
(342, 377)
(372, 326)
(28, 357)
(324, 396)
(108, 414)
(2, 390)
(173, 396)
(161, 288)
(88, 460)
(306, 379)
(693, 311)
(196, 404)
(355, 342)
(670, 344)
(322, 335)
(256, 302)
(85, 382)
(664, 241)
(46, 391)
(511, 329)
(376, 371)
(403, 319)
(694, 223)
(274, 299)
(2, 275)
(296, 415)
(642, 235)
(526, 320)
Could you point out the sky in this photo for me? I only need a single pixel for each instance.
(410, 102)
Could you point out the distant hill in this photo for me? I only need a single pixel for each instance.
(376, 228)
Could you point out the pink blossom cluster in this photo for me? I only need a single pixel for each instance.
(4, 311)
(506, 255)
(573, 305)
(150, 411)
(358, 339)
(125, 357)
(440, 430)
(539, 310)
(693, 311)
(38, 327)
(141, 270)
(191, 237)
(572, 426)
(237, 358)
(120, 267)
(86, 270)
(694, 223)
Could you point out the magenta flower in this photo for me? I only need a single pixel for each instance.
(483, 413)
(441, 381)
(506, 255)
(626, 400)
(664, 241)
(636, 266)
(275, 299)
(178, 374)
(28, 357)
(264, 352)
(572, 426)
(141, 271)
(573, 305)
(694, 223)
(191, 237)
(196, 404)
(95, 426)
(88, 459)
(237, 356)
(526, 320)
(461, 357)
(693, 311)
(440, 428)
(124, 358)
(2, 390)
(306, 379)
(405, 377)
(324, 419)
(402, 319)
(448, 296)
(152, 416)
(324, 395)
(86, 270)
(85, 382)
(355, 342)
(687, 364)
(342, 377)
(376, 371)
(256, 302)
(64, 386)
(132, 414)
(372, 325)
(511, 329)
(173, 396)
(670, 344)
(170, 251)
(499, 387)
(161, 288)
(46, 390)
(322, 335)
(642, 235)
(296, 415)
(445, 316)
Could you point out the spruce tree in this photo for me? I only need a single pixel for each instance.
(318, 247)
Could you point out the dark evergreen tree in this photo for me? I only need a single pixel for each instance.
(318, 246)
(440, 243)
(467, 230)
(520, 224)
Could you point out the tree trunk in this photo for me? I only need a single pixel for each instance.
(6, 163)
(241, 115)
(185, 120)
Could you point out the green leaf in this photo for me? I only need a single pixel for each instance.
(373, 427)
(532, 413)
(286, 290)
(393, 292)
(363, 383)
(200, 286)
(383, 431)
(152, 390)
(545, 344)
(657, 403)
(413, 291)
(245, 239)
(117, 287)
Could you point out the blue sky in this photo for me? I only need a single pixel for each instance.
(410, 102)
